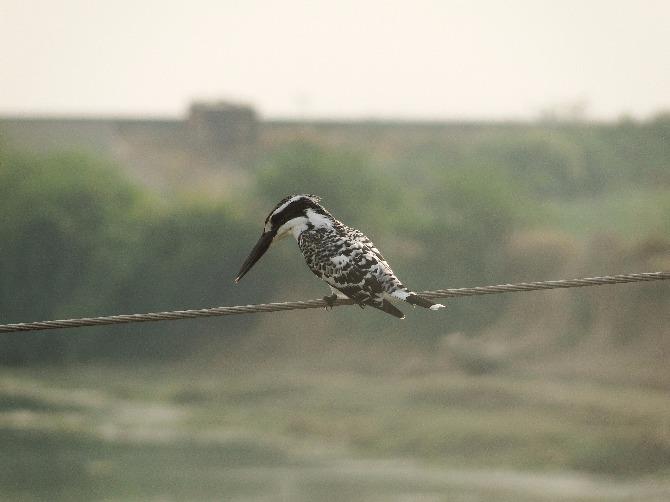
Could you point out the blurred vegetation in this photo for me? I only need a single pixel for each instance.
(344, 179)
(77, 238)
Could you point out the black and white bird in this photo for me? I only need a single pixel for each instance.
(342, 256)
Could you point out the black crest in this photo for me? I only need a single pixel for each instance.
(280, 215)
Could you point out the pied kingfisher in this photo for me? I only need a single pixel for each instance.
(343, 257)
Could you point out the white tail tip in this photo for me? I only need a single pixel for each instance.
(437, 306)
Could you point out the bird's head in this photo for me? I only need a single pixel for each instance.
(292, 215)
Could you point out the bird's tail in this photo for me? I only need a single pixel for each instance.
(388, 307)
(414, 299)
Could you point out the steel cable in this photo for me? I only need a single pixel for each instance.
(311, 304)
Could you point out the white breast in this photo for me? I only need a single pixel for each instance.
(318, 220)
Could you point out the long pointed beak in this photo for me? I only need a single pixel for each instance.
(259, 250)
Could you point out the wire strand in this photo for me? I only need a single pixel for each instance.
(320, 303)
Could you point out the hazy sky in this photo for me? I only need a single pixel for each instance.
(470, 59)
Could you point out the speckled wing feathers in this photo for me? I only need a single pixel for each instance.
(347, 260)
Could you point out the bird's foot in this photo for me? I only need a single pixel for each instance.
(330, 301)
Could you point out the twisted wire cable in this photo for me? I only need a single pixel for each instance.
(320, 303)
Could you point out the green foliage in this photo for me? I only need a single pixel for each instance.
(64, 222)
(186, 257)
(556, 161)
(461, 219)
(544, 162)
(77, 239)
(346, 181)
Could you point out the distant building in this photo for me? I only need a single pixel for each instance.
(223, 130)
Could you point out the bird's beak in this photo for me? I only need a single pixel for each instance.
(259, 250)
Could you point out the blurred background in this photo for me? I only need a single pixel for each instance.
(143, 143)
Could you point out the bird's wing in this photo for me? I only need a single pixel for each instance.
(345, 262)
(365, 241)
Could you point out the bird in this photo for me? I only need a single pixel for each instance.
(343, 257)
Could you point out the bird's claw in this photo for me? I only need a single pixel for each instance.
(330, 301)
